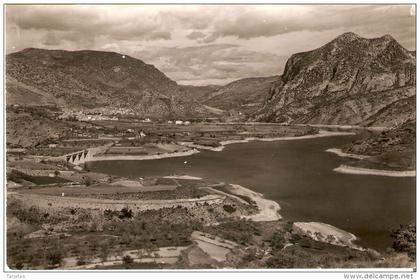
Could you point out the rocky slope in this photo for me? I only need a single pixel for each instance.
(92, 79)
(245, 95)
(200, 93)
(350, 80)
(391, 149)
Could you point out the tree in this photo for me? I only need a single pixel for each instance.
(127, 260)
(279, 239)
(54, 257)
(87, 181)
(104, 252)
(19, 266)
(229, 208)
(405, 240)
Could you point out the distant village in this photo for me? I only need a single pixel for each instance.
(115, 115)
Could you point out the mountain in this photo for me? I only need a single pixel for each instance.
(350, 80)
(245, 95)
(92, 79)
(200, 93)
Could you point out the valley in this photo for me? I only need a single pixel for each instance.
(112, 165)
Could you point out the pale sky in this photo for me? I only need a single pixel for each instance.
(202, 45)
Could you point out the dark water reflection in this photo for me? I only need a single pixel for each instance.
(298, 174)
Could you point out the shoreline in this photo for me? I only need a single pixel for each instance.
(196, 147)
(322, 232)
(347, 169)
(182, 177)
(268, 209)
(144, 157)
(340, 153)
(346, 126)
(322, 133)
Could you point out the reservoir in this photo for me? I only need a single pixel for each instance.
(299, 175)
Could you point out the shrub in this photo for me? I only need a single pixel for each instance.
(405, 240)
(54, 257)
(229, 208)
(279, 240)
(127, 259)
(125, 213)
(87, 181)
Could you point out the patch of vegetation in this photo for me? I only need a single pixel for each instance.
(240, 231)
(34, 253)
(150, 229)
(229, 208)
(125, 213)
(405, 240)
(315, 255)
(178, 193)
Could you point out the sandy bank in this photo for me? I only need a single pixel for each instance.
(269, 210)
(346, 169)
(340, 153)
(201, 147)
(184, 177)
(144, 157)
(342, 126)
(326, 233)
(322, 133)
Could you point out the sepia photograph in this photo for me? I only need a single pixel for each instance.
(208, 137)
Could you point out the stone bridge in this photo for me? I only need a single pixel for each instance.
(83, 156)
(78, 157)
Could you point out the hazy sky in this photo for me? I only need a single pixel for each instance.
(203, 44)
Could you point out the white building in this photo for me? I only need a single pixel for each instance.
(179, 122)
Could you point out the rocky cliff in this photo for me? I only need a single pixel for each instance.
(350, 80)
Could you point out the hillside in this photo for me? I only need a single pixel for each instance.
(350, 80)
(200, 93)
(245, 95)
(92, 79)
(391, 149)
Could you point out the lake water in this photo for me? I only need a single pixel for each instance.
(298, 175)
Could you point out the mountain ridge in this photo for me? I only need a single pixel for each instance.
(92, 79)
(344, 81)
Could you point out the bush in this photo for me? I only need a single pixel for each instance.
(281, 261)
(405, 240)
(87, 181)
(279, 239)
(54, 257)
(125, 213)
(127, 259)
(229, 208)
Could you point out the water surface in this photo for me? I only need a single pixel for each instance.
(298, 175)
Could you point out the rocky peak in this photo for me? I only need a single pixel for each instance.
(344, 68)
(348, 37)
